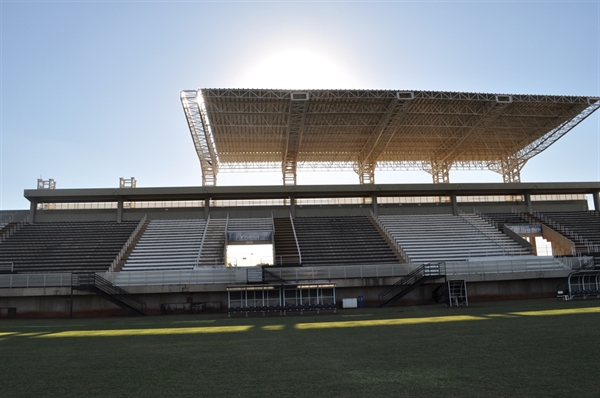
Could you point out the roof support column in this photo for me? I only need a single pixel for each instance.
(298, 106)
(120, 210)
(381, 136)
(510, 168)
(206, 207)
(375, 207)
(367, 174)
(293, 206)
(441, 172)
(33, 211)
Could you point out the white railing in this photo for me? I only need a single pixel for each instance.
(127, 244)
(206, 276)
(492, 236)
(296, 239)
(390, 236)
(202, 241)
(13, 229)
(531, 264)
(231, 275)
(35, 280)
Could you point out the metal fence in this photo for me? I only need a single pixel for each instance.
(240, 274)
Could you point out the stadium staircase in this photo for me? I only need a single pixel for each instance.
(286, 243)
(49, 247)
(95, 283)
(213, 245)
(410, 282)
(273, 279)
(341, 241)
(167, 245)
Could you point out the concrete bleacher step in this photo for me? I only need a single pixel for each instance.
(167, 244)
(213, 249)
(440, 237)
(341, 240)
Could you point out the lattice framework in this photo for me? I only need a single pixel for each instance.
(365, 130)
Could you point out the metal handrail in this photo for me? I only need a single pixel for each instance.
(202, 241)
(127, 244)
(13, 229)
(296, 238)
(489, 235)
(390, 237)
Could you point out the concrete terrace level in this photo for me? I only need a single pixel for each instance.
(292, 194)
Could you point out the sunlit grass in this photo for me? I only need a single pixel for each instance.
(146, 332)
(387, 322)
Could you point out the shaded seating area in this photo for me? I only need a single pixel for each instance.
(50, 247)
(341, 241)
(167, 245)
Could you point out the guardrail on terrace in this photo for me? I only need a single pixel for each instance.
(233, 275)
(35, 280)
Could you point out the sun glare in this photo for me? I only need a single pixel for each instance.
(295, 69)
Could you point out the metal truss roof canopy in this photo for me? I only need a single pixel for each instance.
(364, 130)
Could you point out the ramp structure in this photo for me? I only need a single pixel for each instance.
(365, 130)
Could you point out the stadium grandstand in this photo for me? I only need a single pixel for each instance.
(260, 249)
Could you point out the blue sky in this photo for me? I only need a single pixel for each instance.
(90, 90)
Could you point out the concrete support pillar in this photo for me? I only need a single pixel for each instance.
(534, 244)
(32, 211)
(206, 207)
(454, 205)
(375, 207)
(596, 196)
(119, 211)
(527, 198)
(293, 206)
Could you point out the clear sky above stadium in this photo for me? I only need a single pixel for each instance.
(90, 90)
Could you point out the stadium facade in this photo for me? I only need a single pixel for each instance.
(103, 251)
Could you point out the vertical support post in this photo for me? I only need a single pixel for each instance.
(293, 206)
(32, 211)
(375, 207)
(596, 196)
(120, 211)
(454, 204)
(527, 197)
(206, 207)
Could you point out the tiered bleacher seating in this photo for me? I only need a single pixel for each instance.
(341, 241)
(445, 237)
(500, 219)
(213, 247)
(66, 246)
(584, 223)
(167, 245)
(250, 224)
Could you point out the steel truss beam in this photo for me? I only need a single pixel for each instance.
(455, 147)
(555, 134)
(381, 136)
(201, 136)
(368, 130)
(294, 136)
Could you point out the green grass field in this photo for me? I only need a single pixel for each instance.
(535, 348)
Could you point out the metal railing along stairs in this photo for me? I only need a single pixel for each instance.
(411, 282)
(106, 289)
